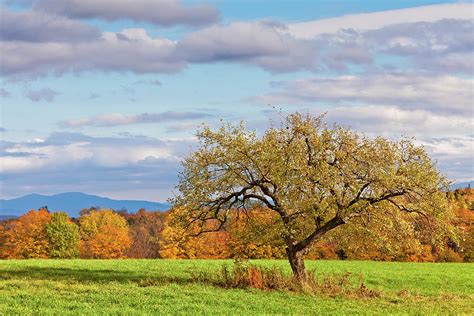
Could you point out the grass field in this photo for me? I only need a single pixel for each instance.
(123, 286)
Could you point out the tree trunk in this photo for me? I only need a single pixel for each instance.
(297, 250)
(297, 263)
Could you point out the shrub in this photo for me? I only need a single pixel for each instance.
(243, 275)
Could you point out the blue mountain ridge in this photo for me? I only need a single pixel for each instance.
(72, 203)
(462, 185)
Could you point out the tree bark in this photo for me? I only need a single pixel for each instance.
(296, 251)
(296, 259)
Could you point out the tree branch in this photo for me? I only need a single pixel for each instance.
(406, 209)
(357, 197)
(333, 223)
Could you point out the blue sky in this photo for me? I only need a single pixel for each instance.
(104, 97)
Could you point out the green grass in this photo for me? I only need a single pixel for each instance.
(116, 287)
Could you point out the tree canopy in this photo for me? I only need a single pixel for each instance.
(105, 235)
(27, 237)
(63, 237)
(315, 177)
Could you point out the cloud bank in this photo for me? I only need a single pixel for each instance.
(440, 94)
(159, 12)
(53, 40)
(118, 119)
(378, 20)
(74, 161)
(386, 73)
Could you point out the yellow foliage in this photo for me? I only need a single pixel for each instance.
(105, 235)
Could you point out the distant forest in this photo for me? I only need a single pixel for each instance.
(100, 233)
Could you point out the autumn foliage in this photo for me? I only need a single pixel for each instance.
(109, 234)
(249, 241)
(27, 237)
(186, 244)
(145, 233)
(105, 235)
(63, 237)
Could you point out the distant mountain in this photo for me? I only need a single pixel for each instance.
(5, 217)
(462, 185)
(72, 203)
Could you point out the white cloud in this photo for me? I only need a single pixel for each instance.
(117, 119)
(378, 20)
(393, 121)
(159, 12)
(77, 162)
(429, 44)
(33, 26)
(34, 157)
(454, 156)
(31, 156)
(441, 94)
(443, 136)
(461, 147)
(112, 52)
(259, 43)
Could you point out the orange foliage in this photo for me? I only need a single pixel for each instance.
(253, 235)
(424, 255)
(105, 235)
(145, 230)
(178, 243)
(402, 239)
(462, 201)
(211, 245)
(5, 249)
(323, 250)
(26, 237)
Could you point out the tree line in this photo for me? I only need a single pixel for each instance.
(107, 234)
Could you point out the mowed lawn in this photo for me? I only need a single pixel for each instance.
(163, 286)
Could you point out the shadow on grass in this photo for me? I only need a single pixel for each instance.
(85, 275)
(239, 276)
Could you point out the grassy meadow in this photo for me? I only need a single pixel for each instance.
(167, 286)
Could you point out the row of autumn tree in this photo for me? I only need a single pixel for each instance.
(109, 234)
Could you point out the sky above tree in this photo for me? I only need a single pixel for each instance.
(105, 96)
